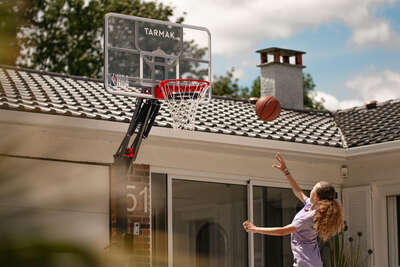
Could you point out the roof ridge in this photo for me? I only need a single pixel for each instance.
(306, 110)
(378, 103)
(342, 135)
(310, 110)
(230, 98)
(75, 77)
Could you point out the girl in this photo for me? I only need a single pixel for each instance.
(321, 216)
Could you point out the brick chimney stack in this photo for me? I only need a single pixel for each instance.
(282, 76)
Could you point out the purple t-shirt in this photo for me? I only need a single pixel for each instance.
(304, 242)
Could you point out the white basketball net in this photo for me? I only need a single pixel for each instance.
(183, 97)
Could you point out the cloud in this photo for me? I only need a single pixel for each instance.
(330, 102)
(237, 26)
(249, 63)
(239, 74)
(380, 86)
(375, 33)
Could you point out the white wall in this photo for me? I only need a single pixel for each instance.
(369, 169)
(55, 200)
(205, 155)
(84, 140)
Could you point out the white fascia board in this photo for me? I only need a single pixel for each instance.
(59, 121)
(247, 142)
(373, 149)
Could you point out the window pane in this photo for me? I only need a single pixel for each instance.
(273, 207)
(207, 224)
(159, 220)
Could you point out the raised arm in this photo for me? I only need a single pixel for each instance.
(295, 187)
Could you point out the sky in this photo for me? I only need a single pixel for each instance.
(352, 46)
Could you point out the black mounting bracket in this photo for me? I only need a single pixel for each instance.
(142, 119)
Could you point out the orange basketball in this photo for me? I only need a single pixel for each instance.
(268, 108)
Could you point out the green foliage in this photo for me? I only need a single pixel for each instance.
(14, 15)
(256, 88)
(336, 252)
(66, 36)
(193, 68)
(40, 253)
(227, 85)
(309, 94)
(343, 251)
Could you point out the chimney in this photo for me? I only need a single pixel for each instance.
(282, 76)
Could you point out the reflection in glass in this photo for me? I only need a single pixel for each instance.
(273, 207)
(122, 62)
(207, 224)
(159, 220)
(121, 33)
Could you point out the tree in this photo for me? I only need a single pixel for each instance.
(227, 85)
(66, 35)
(256, 88)
(14, 15)
(309, 97)
(309, 93)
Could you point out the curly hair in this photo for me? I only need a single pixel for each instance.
(328, 216)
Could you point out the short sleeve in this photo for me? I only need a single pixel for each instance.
(307, 201)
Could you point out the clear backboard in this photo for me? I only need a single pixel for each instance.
(140, 53)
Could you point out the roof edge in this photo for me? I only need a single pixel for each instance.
(75, 77)
(373, 149)
(379, 103)
(59, 121)
(245, 100)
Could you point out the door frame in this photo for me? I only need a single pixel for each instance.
(380, 192)
(170, 207)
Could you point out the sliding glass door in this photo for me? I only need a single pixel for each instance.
(273, 207)
(199, 223)
(207, 224)
(393, 210)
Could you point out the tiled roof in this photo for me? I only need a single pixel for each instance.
(49, 93)
(362, 126)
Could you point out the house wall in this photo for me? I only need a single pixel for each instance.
(237, 161)
(130, 206)
(54, 200)
(205, 155)
(379, 173)
(375, 168)
(93, 141)
(51, 184)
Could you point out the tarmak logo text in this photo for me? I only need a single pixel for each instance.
(159, 33)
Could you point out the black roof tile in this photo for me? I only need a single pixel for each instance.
(363, 126)
(51, 93)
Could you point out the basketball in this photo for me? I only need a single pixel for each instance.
(268, 108)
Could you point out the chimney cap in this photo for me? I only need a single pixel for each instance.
(253, 100)
(371, 105)
(283, 51)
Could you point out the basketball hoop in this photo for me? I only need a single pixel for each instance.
(183, 96)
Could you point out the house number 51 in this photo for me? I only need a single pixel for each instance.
(134, 198)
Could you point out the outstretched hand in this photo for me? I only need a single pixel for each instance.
(248, 226)
(281, 163)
